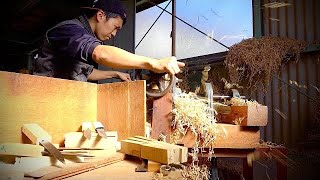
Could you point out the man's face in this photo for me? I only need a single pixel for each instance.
(107, 28)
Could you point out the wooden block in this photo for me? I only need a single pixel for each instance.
(165, 155)
(35, 133)
(122, 108)
(154, 166)
(174, 149)
(183, 151)
(152, 151)
(236, 136)
(251, 115)
(131, 147)
(17, 149)
(77, 140)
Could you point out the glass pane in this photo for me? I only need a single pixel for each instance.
(227, 21)
(157, 42)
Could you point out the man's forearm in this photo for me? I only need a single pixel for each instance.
(100, 75)
(117, 58)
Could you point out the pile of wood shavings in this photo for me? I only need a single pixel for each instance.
(192, 114)
(195, 172)
(255, 60)
(241, 102)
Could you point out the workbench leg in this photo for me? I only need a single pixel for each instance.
(214, 175)
(247, 170)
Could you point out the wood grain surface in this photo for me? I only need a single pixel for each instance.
(57, 105)
(122, 108)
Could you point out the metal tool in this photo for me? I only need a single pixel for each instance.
(52, 150)
(100, 129)
(39, 136)
(86, 129)
(143, 167)
(234, 93)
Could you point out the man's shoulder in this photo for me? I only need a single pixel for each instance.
(73, 26)
(74, 23)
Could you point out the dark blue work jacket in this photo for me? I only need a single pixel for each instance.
(67, 51)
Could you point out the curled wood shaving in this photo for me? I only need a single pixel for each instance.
(241, 102)
(196, 172)
(193, 114)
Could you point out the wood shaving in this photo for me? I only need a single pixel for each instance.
(196, 172)
(193, 114)
(241, 102)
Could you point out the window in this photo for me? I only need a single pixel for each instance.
(228, 22)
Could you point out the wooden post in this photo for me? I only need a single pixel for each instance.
(162, 117)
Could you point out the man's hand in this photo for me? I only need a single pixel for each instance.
(169, 65)
(101, 75)
(123, 76)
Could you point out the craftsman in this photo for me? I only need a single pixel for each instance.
(72, 47)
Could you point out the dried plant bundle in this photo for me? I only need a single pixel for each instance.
(255, 60)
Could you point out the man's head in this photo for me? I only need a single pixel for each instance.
(108, 18)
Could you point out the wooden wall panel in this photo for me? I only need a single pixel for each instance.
(57, 105)
(122, 108)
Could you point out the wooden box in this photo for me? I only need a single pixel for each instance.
(251, 115)
(60, 106)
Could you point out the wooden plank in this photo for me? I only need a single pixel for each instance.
(35, 133)
(122, 108)
(29, 164)
(236, 136)
(71, 170)
(57, 105)
(17, 149)
(251, 115)
(77, 140)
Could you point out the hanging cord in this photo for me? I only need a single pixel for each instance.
(289, 85)
(152, 25)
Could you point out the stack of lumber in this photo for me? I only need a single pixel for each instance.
(153, 150)
(18, 160)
